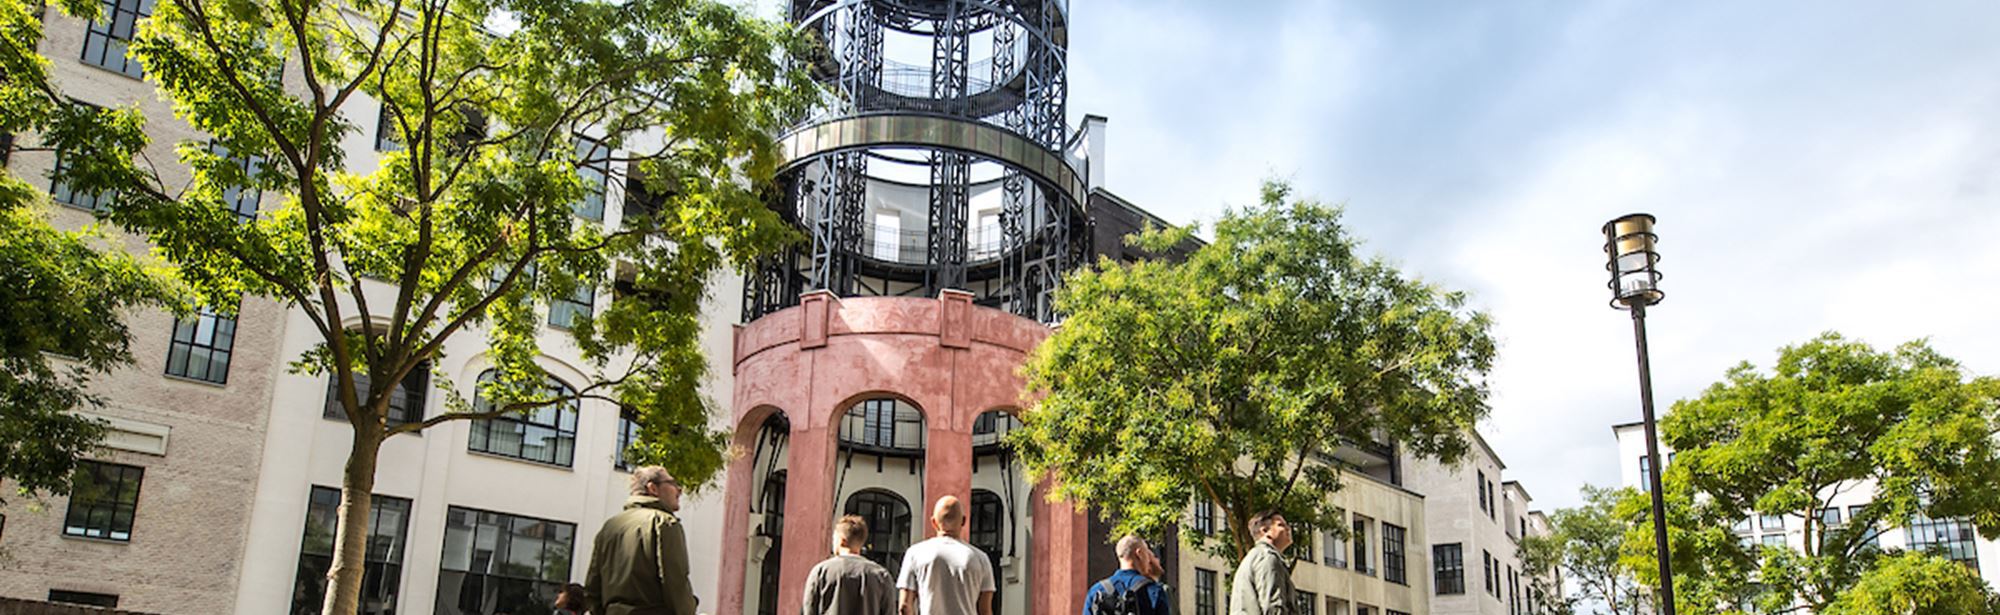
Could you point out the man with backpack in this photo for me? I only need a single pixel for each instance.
(1130, 591)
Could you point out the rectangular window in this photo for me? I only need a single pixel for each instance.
(386, 129)
(241, 199)
(1361, 545)
(1449, 561)
(201, 347)
(542, 434)
(1392, 555)
(628, 434)
(1335, 606)
(564, 311)
(1771, 522)
(1774, 540)
(1486, 572)
(1742, 526)
(105, 44)
(406, 405)
(103, 499)
(1204, 592)
(1363, 609)
(382, 568)
(1336, 547)
(62, 193)
(887, 236)
(1513, 591)
(1951, 538)
(1485, 504)
(1645, 473)
(1874, 537)
(63, 596)
(1830, 516)
(500, 563)
(1308, 603)
(1302, 546)
(593, 168)
(1492, 494)
(1204, 516)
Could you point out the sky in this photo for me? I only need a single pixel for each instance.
(1815, 166)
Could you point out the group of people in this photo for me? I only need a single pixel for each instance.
(639, 566)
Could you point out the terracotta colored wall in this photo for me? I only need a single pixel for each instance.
(950, 358)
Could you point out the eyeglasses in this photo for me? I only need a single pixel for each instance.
(668, 481)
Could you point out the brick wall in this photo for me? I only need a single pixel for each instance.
(11, 606)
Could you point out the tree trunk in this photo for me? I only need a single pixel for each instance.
(350, 541)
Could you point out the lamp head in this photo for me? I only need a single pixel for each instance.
(1633, 260)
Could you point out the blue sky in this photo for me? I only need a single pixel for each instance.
(1814, 165)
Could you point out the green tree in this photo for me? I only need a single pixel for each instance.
(480, 216)
(1235, 374)
(1833, 416)
(1542, 565)
(1916, 584)
(1584, 543)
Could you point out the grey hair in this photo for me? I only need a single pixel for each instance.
(1129, 546)
(645, 476)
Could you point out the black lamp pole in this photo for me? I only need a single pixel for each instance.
(1635, 284)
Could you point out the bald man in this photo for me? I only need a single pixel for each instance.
(943, 575)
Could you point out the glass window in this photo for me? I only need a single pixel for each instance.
(1392, 554)
(63, 596)
(500, 563)
(1645, 473)
(105, 44)
(543, 434)
(1771, 522)
(1204, 516)
(1361, 545)
(1830, 516)
(1874, 536)
(201, 347)
(1486, 572)
(564, 311)
(62, 193)
(1308, 603)
(241, 200)
(103, 499)
(1204, 592)
(386, 129)
(988, 522)
(593, 167)
(406, 404)
(1951, 538)
(1742, 526)
(382, 569)
(888, 517)
(1302, 543)
(1485, 504)
(1335, 606)
(1335, 553)
(1449, 560)
(628, 434)
(883, 424)
(1774, 540)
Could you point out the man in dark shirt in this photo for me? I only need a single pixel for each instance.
(847, 583)
(1130, 591)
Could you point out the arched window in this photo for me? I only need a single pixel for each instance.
(883, 424)
(544, 434)
(991, 427)
(888, 517)
(989, 522)
(406, 405)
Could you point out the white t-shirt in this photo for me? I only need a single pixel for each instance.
(947, 575)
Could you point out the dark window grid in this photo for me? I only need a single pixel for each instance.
(501, 563)
(406, 404)
(544, 434)
(241, 200)
(1393, 558)
(885, 424)
(564, 311)
(1308, 603)
(888, 517)
(1204, 592)
(386, 129)
(1449, 561)
(382, 568)
(593, 168)
(1949, 537)
(103, 500)
(201, 347)
(106, 42)
(988, 521)
(1204, 516)
(62, 193)
(628, 434)
(64, 596)
(1360, 542)
(1486, 572)
(1484, 503)
(992, 427)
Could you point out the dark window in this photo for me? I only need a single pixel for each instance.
(593, 168)
(1513, 591)
(103, 499)
(1302, 543)
(1485, 502)
(406, 405)
(1204, 516)
(628, 434)
(1830, 516)
(1449, 561)
(640, 201)
(62, 193)
(241, 199)
(1491, 495)
(1204, 592)
(1308, 603)
(1951, 538)
(543, 434)
(386, 129)
(885, 424)
(1486, 572)
(106, 43)
(63, 596)
(1361, 545)
(774, 506)
(1393, 555)
(888, 517)
(564, 311)
(382, 569)
(201, 347)
(1363, 609)
(989, 521)
(500, 563)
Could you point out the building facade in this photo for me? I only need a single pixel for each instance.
(1476, 519)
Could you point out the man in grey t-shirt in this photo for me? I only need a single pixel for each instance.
(943, 575)
(848, 584)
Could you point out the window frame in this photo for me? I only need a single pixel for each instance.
(109, 529)
(252, 194)
(541, 584)
(527, 421)
(61, 192)
(1359, 541)
(380, 571)
(883, 538)
(413, 392)
(1448, 569)
(628, 434)
(580, 304)
(1204, 591)
(192, 331)
(1395, 561)
(103, 31)
(593, 157)
(1952, 538)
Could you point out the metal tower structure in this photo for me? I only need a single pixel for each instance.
(936, 159)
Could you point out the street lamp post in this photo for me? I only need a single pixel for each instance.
(1635, 284)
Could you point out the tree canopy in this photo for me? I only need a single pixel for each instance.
(1233, 376)
(502, 121)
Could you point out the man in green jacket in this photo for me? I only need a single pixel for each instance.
(640, 563)
(1263, 584)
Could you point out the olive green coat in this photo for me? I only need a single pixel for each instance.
(1263, 584)
(640, 565)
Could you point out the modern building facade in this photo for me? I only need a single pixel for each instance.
(1953, 538)
(1476, 519)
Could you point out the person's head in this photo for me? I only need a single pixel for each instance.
(1134, 553)
(948, 515)
(1269, 525)
(850, 533)
(571, 597)
(654, 481)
